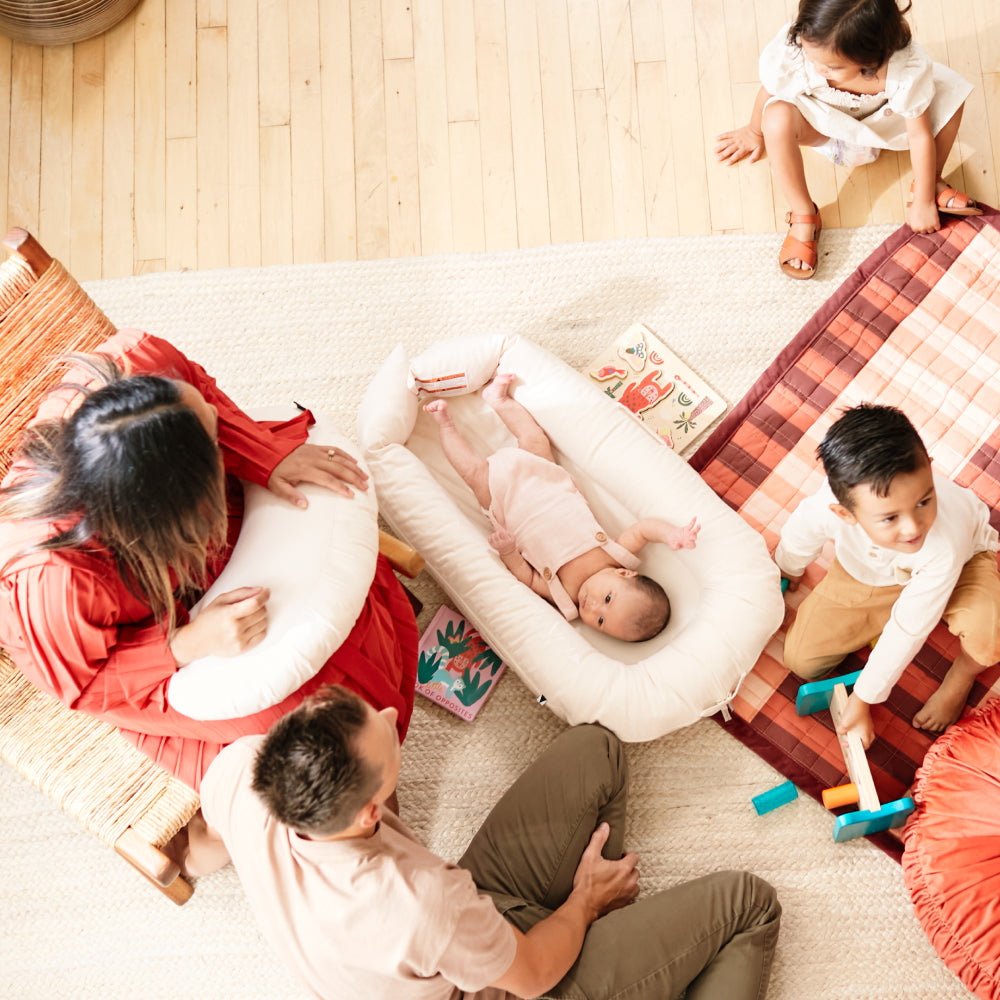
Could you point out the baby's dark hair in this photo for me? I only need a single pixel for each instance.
(865, 31)
(656, 609)
(871, 445)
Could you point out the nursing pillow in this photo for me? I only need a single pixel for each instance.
(725, 593)
(319, 564)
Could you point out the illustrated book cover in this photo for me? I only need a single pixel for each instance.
(456, 668)
(676, 404)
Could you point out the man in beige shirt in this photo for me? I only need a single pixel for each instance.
(537, 906)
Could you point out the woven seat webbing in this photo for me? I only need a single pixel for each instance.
(38, 321)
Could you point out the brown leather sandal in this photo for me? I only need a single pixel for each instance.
(795, 249)
(964, 205)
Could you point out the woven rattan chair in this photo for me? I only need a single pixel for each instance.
(84, 765)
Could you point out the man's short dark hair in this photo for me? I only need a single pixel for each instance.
(870, 445)
(309, 772)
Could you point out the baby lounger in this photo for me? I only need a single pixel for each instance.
(318, 563)
(725, 593)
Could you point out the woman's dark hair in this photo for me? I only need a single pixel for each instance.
(865, 31)
(869, 445)
(132, 468)
(309, 772)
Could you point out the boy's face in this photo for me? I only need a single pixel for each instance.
(900, 520)
(610, 602)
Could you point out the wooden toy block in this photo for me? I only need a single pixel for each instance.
(816, 695)
(774, 797)
(873, 816)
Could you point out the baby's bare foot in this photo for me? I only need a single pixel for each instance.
(495, 391)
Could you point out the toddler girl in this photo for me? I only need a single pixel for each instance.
(546, 534)
(847, 79)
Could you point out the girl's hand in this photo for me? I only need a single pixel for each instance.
(233, 622)
(684, 538)
(741, 143)
(331, 468)
(923, 217)
(793, 582)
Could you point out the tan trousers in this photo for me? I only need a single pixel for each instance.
(842, 615)
(714, 936)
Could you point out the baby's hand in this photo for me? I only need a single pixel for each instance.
(503, 541)
(684, 538)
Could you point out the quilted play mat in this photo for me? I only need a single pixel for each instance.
(916, 326)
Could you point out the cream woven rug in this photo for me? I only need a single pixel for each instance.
(77, 922)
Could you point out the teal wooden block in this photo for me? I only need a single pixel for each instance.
(862, 824)
(774, 797)
(816, 695)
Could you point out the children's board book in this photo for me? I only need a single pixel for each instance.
(649, 380)
(456, 668)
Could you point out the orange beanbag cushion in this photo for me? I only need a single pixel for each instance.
(951, 863)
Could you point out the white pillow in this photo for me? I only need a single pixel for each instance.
(457, 366)
(319, 564)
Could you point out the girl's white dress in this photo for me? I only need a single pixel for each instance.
(913, 84)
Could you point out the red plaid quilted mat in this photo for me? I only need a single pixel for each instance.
(916, 326)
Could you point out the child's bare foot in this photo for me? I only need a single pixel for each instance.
(945, 706)
(495, 391)
(438, 409)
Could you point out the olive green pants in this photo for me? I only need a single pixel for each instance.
(714, 936)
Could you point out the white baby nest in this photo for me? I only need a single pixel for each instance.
(725, 593)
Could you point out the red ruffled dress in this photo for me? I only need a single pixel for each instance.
(76, 631)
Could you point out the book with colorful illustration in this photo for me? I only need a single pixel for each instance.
(648, 379)
(456, 668)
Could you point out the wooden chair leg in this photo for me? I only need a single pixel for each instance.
(404, 558)
(155, 866)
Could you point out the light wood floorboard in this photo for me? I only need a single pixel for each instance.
(212, 133)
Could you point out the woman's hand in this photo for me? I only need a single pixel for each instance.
(741, 143)
(233, 622)
(331, 468)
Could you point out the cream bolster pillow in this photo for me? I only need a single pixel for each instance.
(319, 564)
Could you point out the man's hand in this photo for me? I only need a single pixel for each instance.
(858, 716)
(604, 885)
(546, 952)
(331, 468)
(233, 622)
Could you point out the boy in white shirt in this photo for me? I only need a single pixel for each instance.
(911, 548)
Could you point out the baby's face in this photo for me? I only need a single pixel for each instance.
(611, 602)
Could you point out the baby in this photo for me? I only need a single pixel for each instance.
(546, 534)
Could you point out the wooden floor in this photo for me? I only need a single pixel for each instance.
(209, 133)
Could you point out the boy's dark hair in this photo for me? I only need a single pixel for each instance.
(865, 31)
(869, 445)
(309, 772)
(656, 611)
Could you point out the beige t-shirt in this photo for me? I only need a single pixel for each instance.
(381, 917)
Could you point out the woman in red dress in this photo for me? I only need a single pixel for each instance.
(123, 503)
